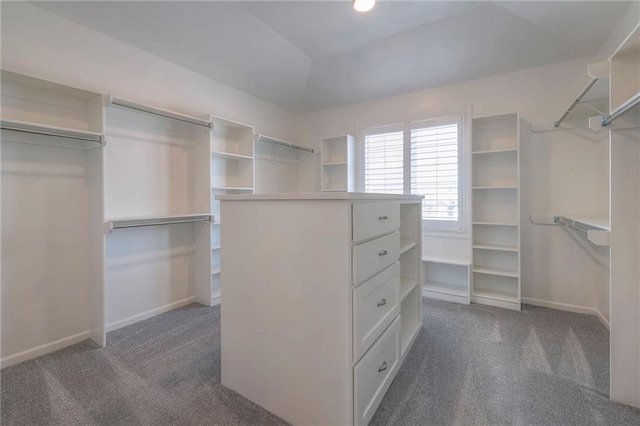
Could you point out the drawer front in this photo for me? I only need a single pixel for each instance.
(372, 219)
(375, 372)
(375, 305)
(373, 256)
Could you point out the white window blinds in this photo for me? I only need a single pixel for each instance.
(434, 170)
(419, 157)
(383, 164)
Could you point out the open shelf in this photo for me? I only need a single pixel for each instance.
(215, 246)
(446, 288)
(337, 159)
(446, 280)
(230, 155)
(496, 151)
(97, 139)
(406, 285)
(40, 112)
(148, 109)
(410, 318)
(232, 188)
(496, 295)
(495, 271)
(497, 247)
(216, 270)
(406, 245)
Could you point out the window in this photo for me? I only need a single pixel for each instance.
(419, 157)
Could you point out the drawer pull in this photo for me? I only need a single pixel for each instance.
(382, 302)
(382, 367)
(382, 253)
(381, 218)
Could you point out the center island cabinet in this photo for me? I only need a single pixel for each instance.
(321, 300)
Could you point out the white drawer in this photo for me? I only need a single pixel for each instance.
(373, 256)
(375, 372)
(372, 219)
(375, 305)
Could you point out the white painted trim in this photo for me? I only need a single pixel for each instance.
(148, 314)
(43, 349)
(568, 307)
(215, 301)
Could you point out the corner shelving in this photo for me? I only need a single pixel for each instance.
(495, 272)
(337, 169)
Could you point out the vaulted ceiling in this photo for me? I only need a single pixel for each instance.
(309, 55)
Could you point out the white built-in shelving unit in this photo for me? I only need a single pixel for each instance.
(232, 172)
(496, 211)
(52, 161)
(337, 159)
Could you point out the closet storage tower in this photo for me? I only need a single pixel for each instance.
(496, 211)
(232, 172)
(337, 170)
(333, 300)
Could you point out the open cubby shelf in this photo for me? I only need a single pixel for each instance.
(337, 159)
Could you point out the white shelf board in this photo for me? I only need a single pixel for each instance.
(594, 221)
(446, 261)
(497, 247)
(496, 271)
(334, 190)
(496, 223)
(338, 163)
(232, 188)
(496, 151)
(496, 295)
(230, 155)
(446, 288)
(48, 130)
(495, 187)
(215, 246)
(406, 245)
(136, 106)
(406, 285)
(215, 270)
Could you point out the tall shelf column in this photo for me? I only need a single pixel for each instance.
(496, 211)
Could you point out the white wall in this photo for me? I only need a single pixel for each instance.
(38, 43)
(562, 171)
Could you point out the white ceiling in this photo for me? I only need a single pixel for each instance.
(309, 55)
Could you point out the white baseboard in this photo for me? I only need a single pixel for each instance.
(215, 301)
(568, 307)
(43, 349)
(148, 314)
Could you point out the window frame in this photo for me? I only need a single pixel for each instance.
(459, 116)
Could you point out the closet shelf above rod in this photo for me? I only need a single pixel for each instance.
(597, 231)
(46, 130)
(155, 221)
(576, 102)
(263, 138)
(159, 112)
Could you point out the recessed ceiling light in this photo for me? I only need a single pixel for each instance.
(363, 5)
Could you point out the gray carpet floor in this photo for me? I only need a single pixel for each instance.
(470, 365)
